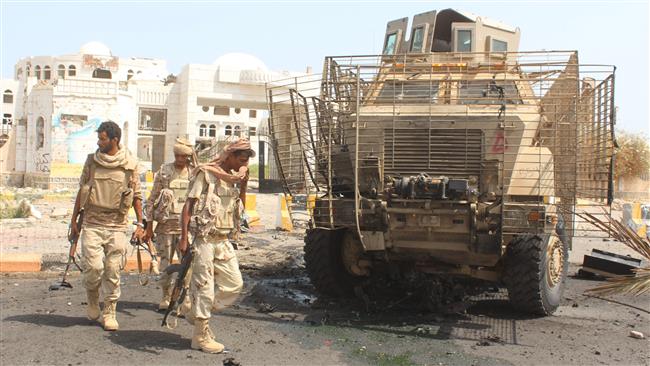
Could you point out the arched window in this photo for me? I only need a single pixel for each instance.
(212, 131)
(47, 73)
(40, 132)
(102, 74)
(203, 130)
(72, 70)
(7, 96)
(237, 131)
(60, 71)
(228, 130)
(129, 74)
(37, 72)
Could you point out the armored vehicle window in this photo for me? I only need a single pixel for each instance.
(389, 47)
(417, 38)
(499, 46)
(464, 41)
(488, 92)
(409, 92)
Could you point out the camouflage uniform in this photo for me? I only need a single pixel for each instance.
(106, 195)
(215, 261)
(164, 206)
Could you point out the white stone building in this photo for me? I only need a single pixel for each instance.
(54, 104)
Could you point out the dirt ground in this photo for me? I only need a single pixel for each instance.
(280, 320)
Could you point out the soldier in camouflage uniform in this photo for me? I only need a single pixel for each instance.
(109, 187)
(212, 206)
(164, 206)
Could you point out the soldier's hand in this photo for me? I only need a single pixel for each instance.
(183, 244)
(138, 234)
(148, 235)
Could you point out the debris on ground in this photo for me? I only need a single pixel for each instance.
(265, 308)
(637, 335)
(230, 361)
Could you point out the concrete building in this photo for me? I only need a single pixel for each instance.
(54, 104)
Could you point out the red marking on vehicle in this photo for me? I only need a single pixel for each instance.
(499, 145)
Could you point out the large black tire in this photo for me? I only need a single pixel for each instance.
(533, 287)
(324, 263)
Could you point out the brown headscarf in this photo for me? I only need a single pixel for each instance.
(214, 166)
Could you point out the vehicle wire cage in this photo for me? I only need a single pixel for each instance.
(541, 120)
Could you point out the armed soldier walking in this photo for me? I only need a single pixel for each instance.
(211, 210)
(164, 206)
(109, 187)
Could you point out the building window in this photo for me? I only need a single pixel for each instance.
(60, 71)
(237, 131)
(7, 121)
(47, 73)
(228, 131)
(417, 39)
(499, 46)
(203, 130)
(221, 110)
(40, 132)
(252, 113)
(37, 72)
(212, 131)
(252, 131)
(72, 70)
(102, 74)
(7, 96)
(237, 110)
(153, 119)
(205, 108)
(129, 75)
(463, 40)
(389, 45)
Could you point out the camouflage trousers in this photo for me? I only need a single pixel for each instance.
(102, 259)
(215, 265)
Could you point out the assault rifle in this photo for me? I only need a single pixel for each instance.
(179, 292)
(73, 240)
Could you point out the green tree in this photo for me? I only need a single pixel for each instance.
(632, 156)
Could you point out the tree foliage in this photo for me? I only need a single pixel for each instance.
(632, 156)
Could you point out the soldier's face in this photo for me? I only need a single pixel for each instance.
(238, 160)
(181, 160)
(104, 143)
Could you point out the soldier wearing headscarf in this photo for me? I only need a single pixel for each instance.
(164, 206)
(210, 213)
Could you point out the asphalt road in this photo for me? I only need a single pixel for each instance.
(280, 321)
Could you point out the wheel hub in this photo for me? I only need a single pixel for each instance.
(555, 261)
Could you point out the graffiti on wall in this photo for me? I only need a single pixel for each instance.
(74, 137)
(42, 162)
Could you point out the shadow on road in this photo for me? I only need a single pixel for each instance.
(125, 307)
(51, 320)
(149, 341)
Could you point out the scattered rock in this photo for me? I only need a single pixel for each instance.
(597, 353)
(483, 343)
(230, 361)
(270, 341)
(636, 334)
(265, 308)
(574, 305)
(69, 303)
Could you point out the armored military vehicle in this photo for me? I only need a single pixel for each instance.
(452, 153)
